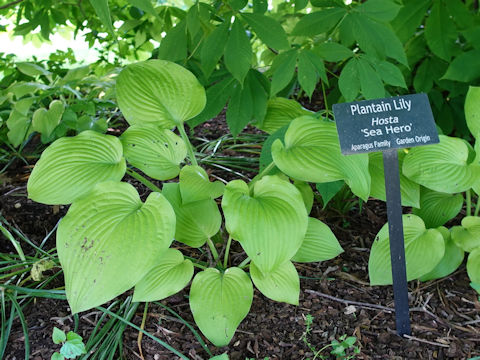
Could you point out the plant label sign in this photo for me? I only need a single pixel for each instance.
(383, 124)
(387, 125)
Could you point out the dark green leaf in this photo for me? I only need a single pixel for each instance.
(349, 82)
(370, 83)
(380, 10)
(174, 46)
(212, 49)
(260, 6)
(307, 74)
(238, 52)
(390, 74)
(410, 18)
(329, 190)
(284, 64)
(465, 67)
(238, 4)
(103, 12)
(266, 154)
(318, 22)
(268, 30)
(145, 5)
(423, 80)
(331, 51)
(259, 88)
(240, 109)
(440, 31)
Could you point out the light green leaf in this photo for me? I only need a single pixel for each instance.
(18, 123)
(465, 67)
(219, 302)
(57, 356)
(311, 152)
(437, 208)
(197, 221)
(270, 222)
(472, 110)
(281, 285)
(70, 167)
(58, 335)
(266, 153)
(467, 236)
(390, 74)
(380, 10)
(110, 232)
(222, 356)
(157, 152)
(45, 121)
(73, 348)
(307, 194)
(328, 190)
(268, 30)
(238, 52)
(284, 65)
(32, 69)
(451, 260)
(473, 266)
(320, 243)
(331, 51)
(240, 108)
(159, 92)
(349, 82)
(319, 21)
(423, 251)
(410, 191)
(170, 274)
(440, 31)
(280, 112)
(195, 185)
(212, 49)
(145, 5)
(371, 84)
(441, 167)
(103, 12)
(20, 89)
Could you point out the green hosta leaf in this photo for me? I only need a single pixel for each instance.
(45, 121)
(437, 208)
(212, 49)
(332, 51)
(320, 243)
(238, 52)
(195, 185)
(441, 167)
(268, 30)
(170, 274)
(197, 221)
(281, 285)
(473, 267)
(19, 121)
(32, 69)
(380, 10)
(410, 190)
(107, 233)
(159, 92)
(465, 67)
(270, 224)
(472, 110)
(467, 236)
(307, 194)
(157, 152)
(440, 31)
(266, 154)
(349, 81)
(319, 21)
(281, 112)
(70, 167)
(219, 302)
(103, 12)
(311, 152)
(328, 190)
(451, 260)
(423, 251)
(284, 65)
(58, 335)
(371, 84)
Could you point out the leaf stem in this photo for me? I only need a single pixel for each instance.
(468, 194)
(477, 208)
(199, 266)
(244, 263)
(264, 172)
(143, 180)
(191, 154)
(227, 250)
(211, 245)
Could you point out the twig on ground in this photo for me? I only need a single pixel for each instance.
(351, 302)
(409, 337)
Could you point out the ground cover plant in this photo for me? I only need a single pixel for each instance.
(259, 62)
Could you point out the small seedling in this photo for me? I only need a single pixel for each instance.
(340, 348)
(72, 345)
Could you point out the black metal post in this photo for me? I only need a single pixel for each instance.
(397, 247)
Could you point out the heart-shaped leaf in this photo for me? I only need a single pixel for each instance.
(45, 121)
(71, 166)
(307, 194)
(423, 251)
(270, 224)
(442, 167)
(170, 274)
(159, 92)
(437, 208)
(157, 152)
(195, 185)
(451, 260)
(473, 267)
(107, 233)
(197, 221)
(281, 285)
(311, 152)
(467, 236)
(472, 110)
(320, 243)
(409, 190)
(219, 302)
(281, 112)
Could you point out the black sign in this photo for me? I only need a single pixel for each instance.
(384, 124)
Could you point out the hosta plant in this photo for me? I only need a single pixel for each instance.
(111, 241)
